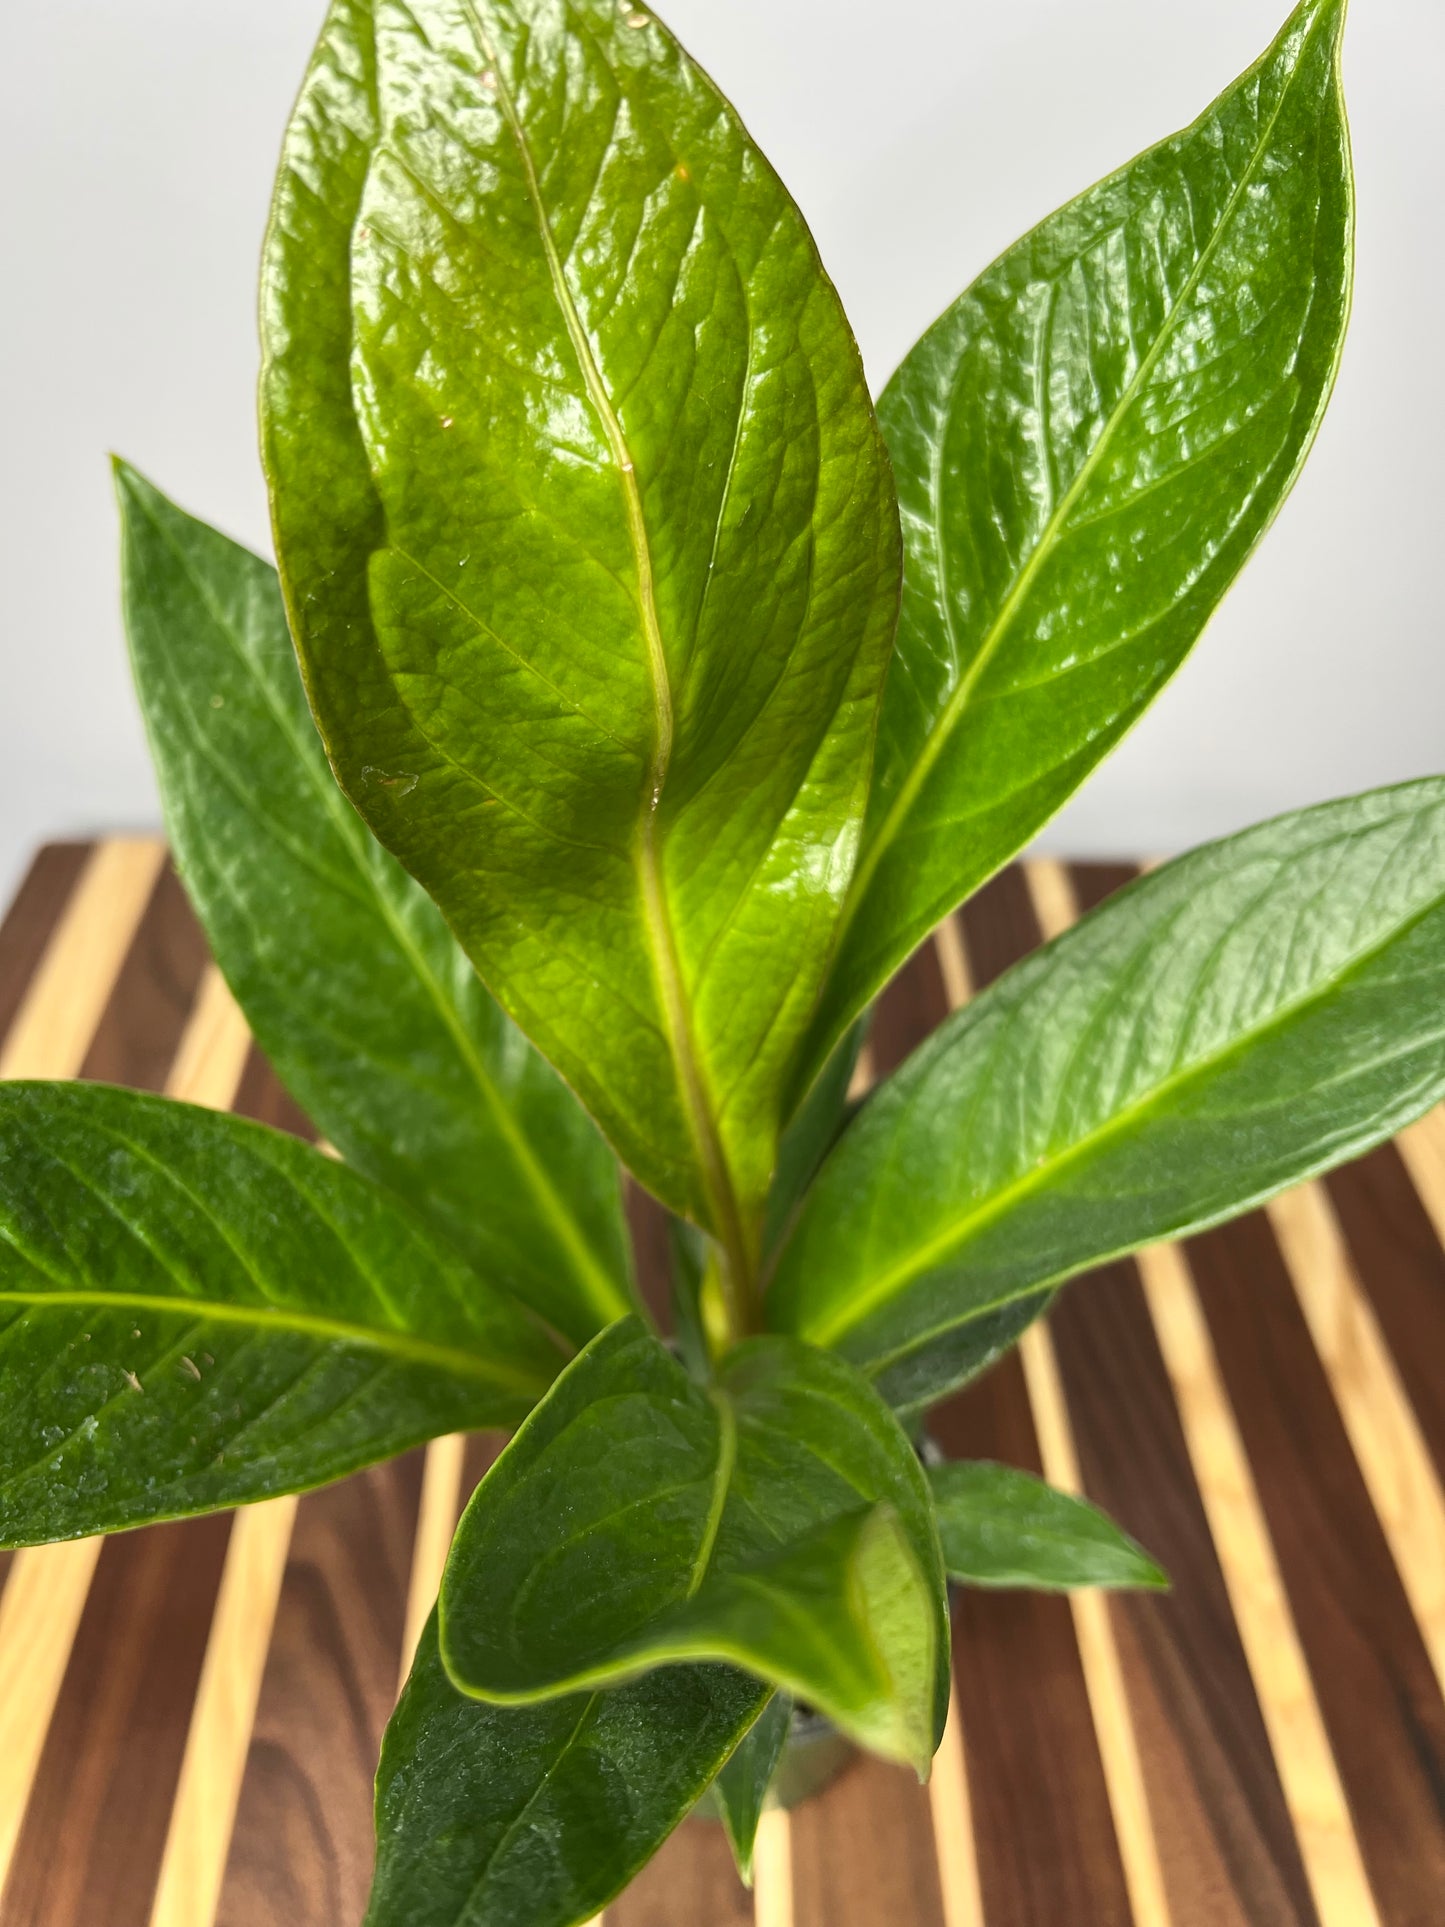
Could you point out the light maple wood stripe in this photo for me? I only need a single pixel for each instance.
(1301, 1747)
(54, 1026)
(1052, 894)
(204, 1812)
(861, 1081)
(1422, 1146)
(47, 1587)
(773, 1870)
(40, 1610)
(953, 962)
(211, 1058)
(953, 1843)
(1374, 1404)
(441, 1492)
(1098, 1651)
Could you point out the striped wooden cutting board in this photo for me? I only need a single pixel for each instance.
(189, 1715)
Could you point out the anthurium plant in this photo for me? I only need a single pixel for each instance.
(633, 698)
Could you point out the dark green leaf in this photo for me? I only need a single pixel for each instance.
(812, 1134)
(1003, 1527)
(356, 990)
(196, 1312)
(616, 543)
(535, 1816)
(778, 1520)
(1088, 445)
(1253, 1013)
(742, 1786)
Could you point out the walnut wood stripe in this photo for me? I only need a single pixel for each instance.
(31, 919)
(1378, 1417)
(692, 1879)
(1307, 1768)
(199, 1835)
(58, 1017)
(953, 1828)
(1043, 1824)
(1372, 1677)
(1391, 1206)
(301, 1846)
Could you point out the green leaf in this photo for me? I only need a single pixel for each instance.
(742, 1786)
(536, 1816)
(778, 1520)
(812, 1133)
(196, 1311)
(616, 540)
(1088, 445)
(1003, 1527)
(356, 990)
(1256, 1012)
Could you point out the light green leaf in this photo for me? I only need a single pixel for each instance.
(358, 993)
(1088, 445)
(778, 1521)
(1003, 1527)
(536, 1816)
(196, 1312)
(629, 542)
(1256, 1012)
(742, 1787)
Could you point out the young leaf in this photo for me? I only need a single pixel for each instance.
(537, 1816)
(742, 1786)
(348, 976)
(812, 1134)
(778, 1520)
(1003, 1527)
(196, 1311)
(618, 540)
(1258, 1011)
(1088, 444)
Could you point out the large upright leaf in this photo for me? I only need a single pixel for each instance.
(778, 1520)
(1088, 444)
(536, 1816)
(348, 976)
(628, 538)
(196, 1312)
(1257, 1011)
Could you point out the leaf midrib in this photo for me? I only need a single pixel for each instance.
(406, 1347)
(657, 921)
(1045, 1172)
(958, 703)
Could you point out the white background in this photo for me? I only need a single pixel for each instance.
(137, 140)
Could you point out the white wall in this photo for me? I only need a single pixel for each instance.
(137, 139)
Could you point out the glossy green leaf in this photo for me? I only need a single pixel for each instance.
(742, 1787)
(536, 1816)
(196, 1311)
(629, 543)
(778, 1520)
(356, 990)
(812, 1134)
(1003, 1527)
(1088, 445)
(1245, 1017)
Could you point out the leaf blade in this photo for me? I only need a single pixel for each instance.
(1001, 1527)
(539, 1815)
(1169, 342)
(636, 831)
(777, 1521)
(1289, 972)
(349, 979)
(196, 1312)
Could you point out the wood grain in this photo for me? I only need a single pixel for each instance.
(952, 1815)
(889, 1869)
(1267, 1627)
